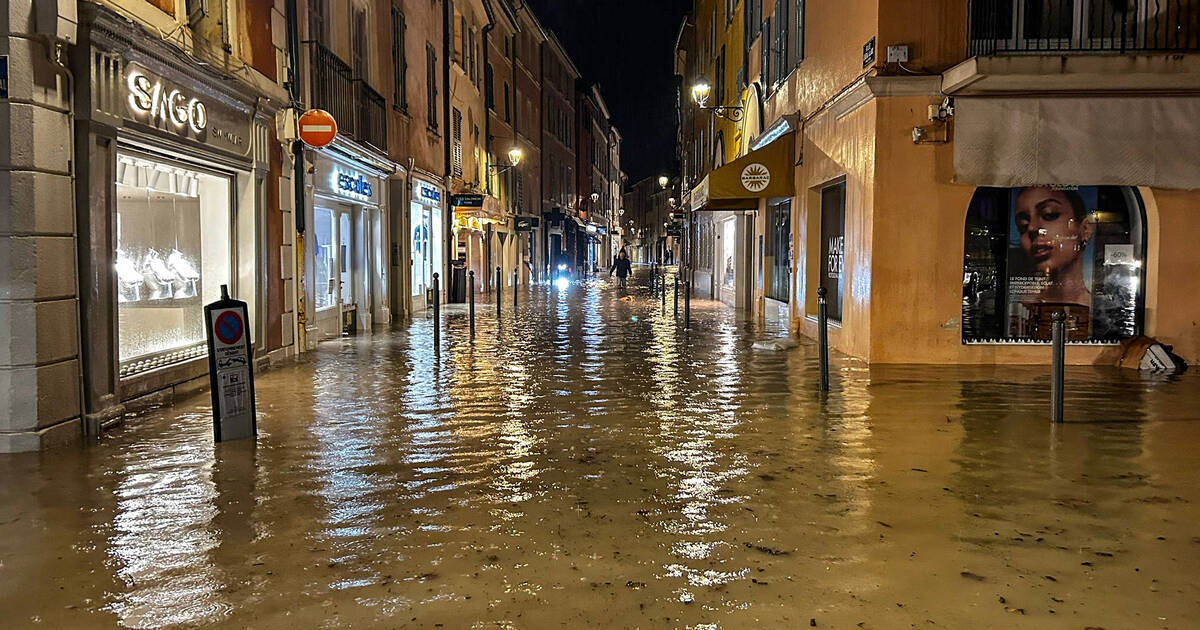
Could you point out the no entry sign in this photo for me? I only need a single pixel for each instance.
(317, 128)
(231, 374)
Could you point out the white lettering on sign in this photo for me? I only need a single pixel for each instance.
(166, 105)
(837, 255)
(352, 185)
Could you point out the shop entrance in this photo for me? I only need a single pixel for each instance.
(727, 263)
(339, 257)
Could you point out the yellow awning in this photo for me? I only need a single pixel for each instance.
(767, 172)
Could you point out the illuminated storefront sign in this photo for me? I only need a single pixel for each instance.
(164, 104)
(352, 185)
(426, 193)
(154, 101)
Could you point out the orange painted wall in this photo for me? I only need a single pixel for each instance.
(1173, 284)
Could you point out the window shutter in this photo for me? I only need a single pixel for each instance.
(765, 69)
(456, 132)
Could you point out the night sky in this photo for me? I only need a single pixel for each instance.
(626, 46)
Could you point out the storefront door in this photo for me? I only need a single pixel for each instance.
(727, 262)
(337, 250)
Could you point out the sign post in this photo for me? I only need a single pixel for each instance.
(230, 372)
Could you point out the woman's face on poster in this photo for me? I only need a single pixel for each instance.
(1051, 234)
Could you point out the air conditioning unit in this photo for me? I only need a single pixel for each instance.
(57, 19)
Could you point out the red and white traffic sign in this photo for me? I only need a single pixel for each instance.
(228, 327)
(317, 128)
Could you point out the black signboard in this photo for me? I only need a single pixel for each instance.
(528, 224)
(869, 53)
(230, 369)
(466, 201)
(833, 246)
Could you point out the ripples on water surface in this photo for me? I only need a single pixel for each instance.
(593, 465)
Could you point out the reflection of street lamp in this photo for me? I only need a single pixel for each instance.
(700, 94)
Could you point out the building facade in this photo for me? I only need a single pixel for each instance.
(945, 119)
(559, 144)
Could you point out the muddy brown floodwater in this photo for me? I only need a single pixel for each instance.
(591, 465)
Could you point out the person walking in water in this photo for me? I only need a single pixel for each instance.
(621, 267)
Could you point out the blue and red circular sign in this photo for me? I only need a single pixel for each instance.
(229, 328)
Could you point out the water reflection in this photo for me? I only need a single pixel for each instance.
(586, 462)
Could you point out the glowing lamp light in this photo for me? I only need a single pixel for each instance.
(595, 197)
(514, 156)
(700, 93)
(663, 181)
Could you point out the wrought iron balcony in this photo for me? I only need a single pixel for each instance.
(359, 110)
(1009, 27)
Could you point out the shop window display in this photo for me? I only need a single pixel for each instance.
(1032, 251)
(324, 286)
(173, 255)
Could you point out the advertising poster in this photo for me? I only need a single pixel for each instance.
(1069, 249)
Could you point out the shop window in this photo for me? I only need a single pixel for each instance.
(173, 254)
(325, 284)
(1032, 251)
(779, 251)
(833, 247)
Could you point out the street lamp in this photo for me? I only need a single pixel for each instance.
(514, 158)
(700, 93)
(595, 197)
(663, 180)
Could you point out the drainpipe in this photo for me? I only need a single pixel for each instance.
(298, 212)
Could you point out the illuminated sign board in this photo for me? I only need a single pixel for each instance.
(166, 106)
(352, 185)
(427, 193)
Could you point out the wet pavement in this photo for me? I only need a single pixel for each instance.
(591, 464)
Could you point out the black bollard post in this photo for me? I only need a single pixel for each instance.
(653, 279)
(499, 291)
(822, 341)
(675, 299)
(437, 315)
(471, 298)
(1057, 369)
(515, 279)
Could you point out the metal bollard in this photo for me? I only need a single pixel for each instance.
(437, 315)
(822, 341)
(499, 291)
(1057, 368)
(471, 298)
(675, 299)
(515, 279)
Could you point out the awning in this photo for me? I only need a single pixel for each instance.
(767, 172)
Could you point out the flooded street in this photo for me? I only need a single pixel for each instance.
(588, 463)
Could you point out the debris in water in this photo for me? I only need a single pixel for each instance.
(973, 576)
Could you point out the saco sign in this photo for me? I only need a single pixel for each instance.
(161, 104)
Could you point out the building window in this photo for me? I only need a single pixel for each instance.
(318, 22)
(456, 136)
(507, 104)
(1032, 251)
(431, 93)
(780, 51)
(358, 43)
(173, 254)
(764, 69)
(833, 247)
(489, 89)
(399, 61)
(797, 45)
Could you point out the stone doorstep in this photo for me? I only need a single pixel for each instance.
(67, 433)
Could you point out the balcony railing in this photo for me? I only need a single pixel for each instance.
(359, 110)
(1007, 27)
